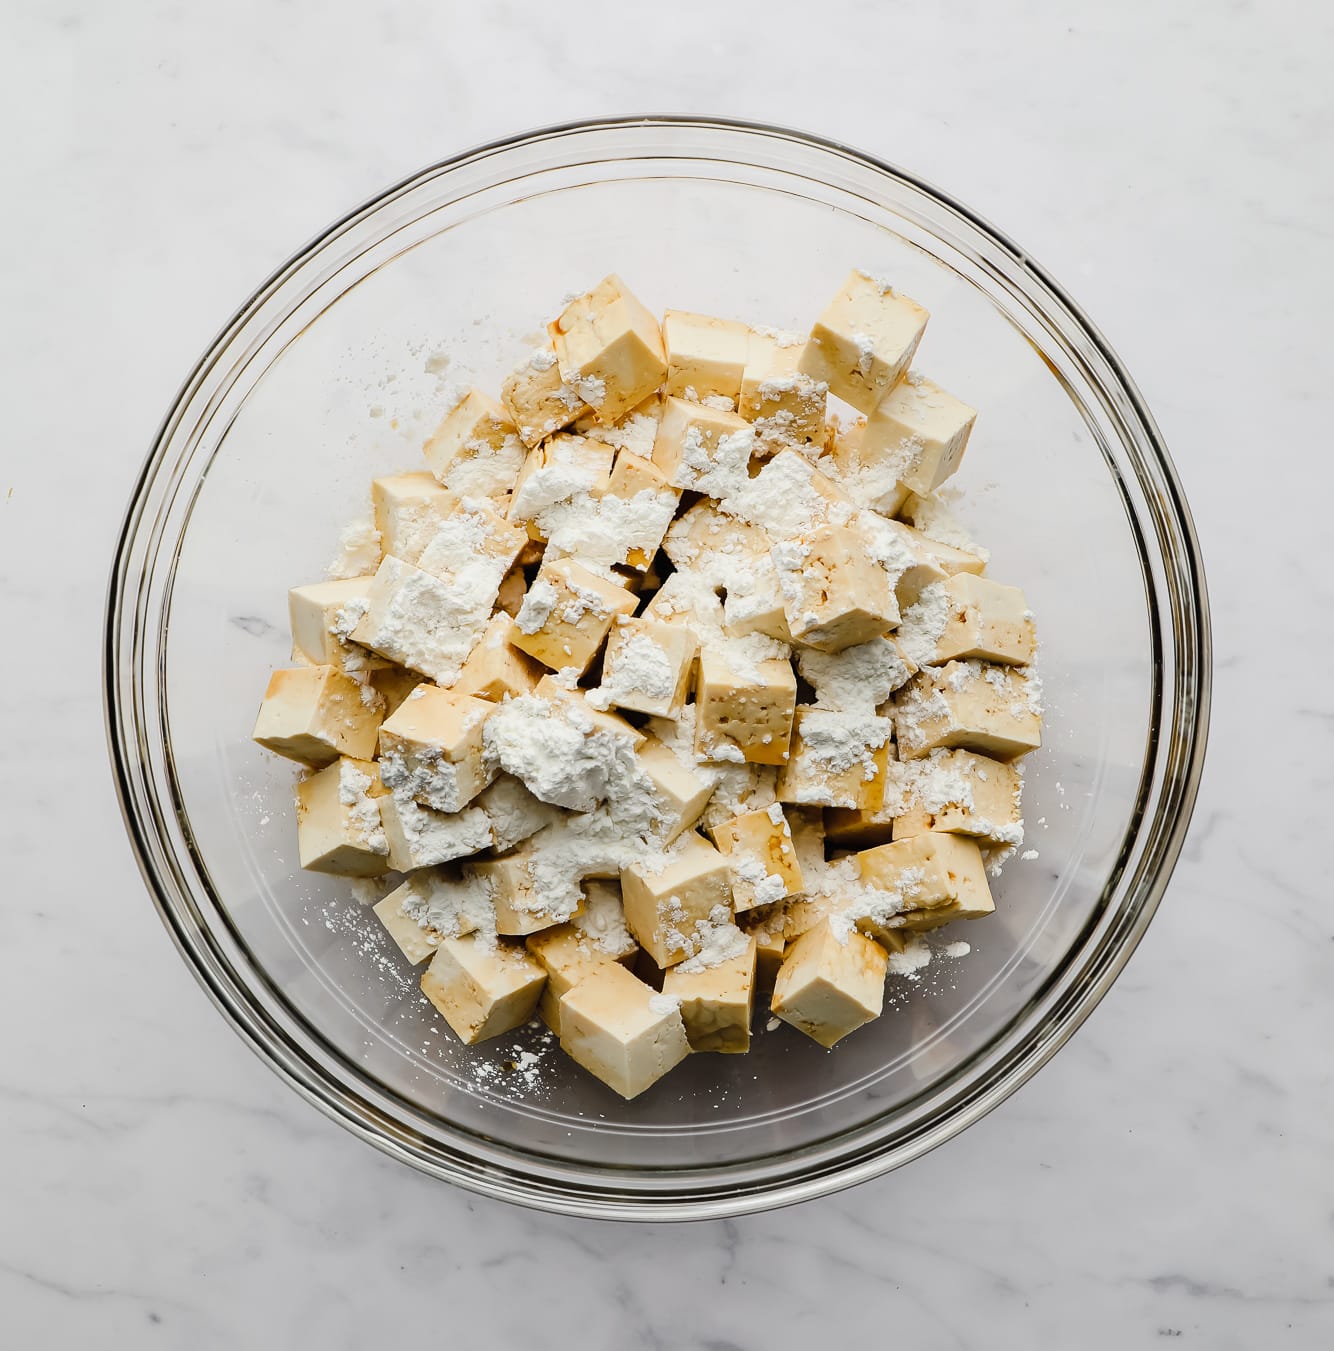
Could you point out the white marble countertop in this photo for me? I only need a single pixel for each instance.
(1169, 1175)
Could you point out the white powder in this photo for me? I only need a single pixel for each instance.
(766, 887)
(914, 958)
(720, 472)
(780, 337)
(858, 679)
(485, 470)
(716, 940)
(592, 389)
(599, 533)
(635, 432)
(448, 906)
(514, 813)
(423, 776)
(432, 837)
(664, 1003)
(358, 551)
(835, 742)
(955, 950)
(930, 514)
(602, 920)
(1029, 854)
(537, 606)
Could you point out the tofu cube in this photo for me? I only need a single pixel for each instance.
(473, 547)
(520, 907)
(647, 666)
(704, 356)
(566, 615)
(912, 561)
(919, 432)
(567, 469)
(431, 748)
(641, 503)
(567, 957)
(838, 759)
(680, 793)
(482, 989)
(514, 813)
(867, 479)
(621, 1030)
(704, 449)
(430, 906)
(985, 620)
(669, 898)
(314, 714)
(861, 675)
(476, 451)
(609, 349)
(338, 823)
(863, 343)
(759, 847)
(784, 405)
(749, 708)
(717, 1002)
(419, 621)
(993, 710)
(830, 984)
(790, 497)
(932, 879)
(408, 508)
(602, 921)
(496, 669)
(419, 837)
(538, 401)
(956, 792)
(322, 615)
(585, 714)
(834, 596)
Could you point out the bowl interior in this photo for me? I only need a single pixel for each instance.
(338, 375)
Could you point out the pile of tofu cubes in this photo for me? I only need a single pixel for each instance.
(673, 684)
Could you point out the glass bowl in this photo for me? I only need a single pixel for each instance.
(333, 372)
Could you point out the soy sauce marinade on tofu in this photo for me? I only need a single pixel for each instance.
(662, 685)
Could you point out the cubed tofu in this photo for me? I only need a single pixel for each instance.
(638, 507)
(705, 356)
(586, 714)
(834, 596)
(602, 921)
(669, 900)
(956, 792)
(785, 406)
(514, 813)
(567, 469)
(520, 906)
(750, 707)
(538, 401)
(322, 615)
(993, 710)
(621, 1030)
(701, 448)
(476, 451)
(931, 879)
(567, 956)
(473, 547)
(716, 1001)
(420, 837)
(432, 905)
(483, 989)
(422, 622)
(815, 904)
(566, 615)
(679, 792)
(985, 620)
(912, 561)
(867, 479)
(338, 823)
(830, 983)
(408, 508)
(863, 343)
(314, 714)
(838, 759)
(647, 666)
(759, 848)
(919, 432)
(431, 748)
(496, 669)
(790, 497)
(609, 349)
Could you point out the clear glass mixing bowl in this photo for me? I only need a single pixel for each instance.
(332, 373)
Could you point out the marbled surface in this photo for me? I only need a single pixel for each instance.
(1169, 1176)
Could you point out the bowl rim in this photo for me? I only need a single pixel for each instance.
(124, 720)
